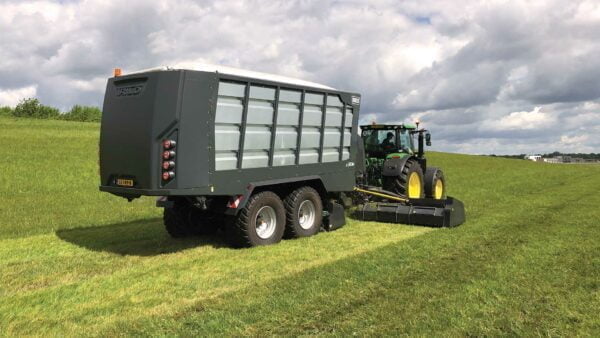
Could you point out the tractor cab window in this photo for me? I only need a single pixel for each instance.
(380, 142)
(406, 141)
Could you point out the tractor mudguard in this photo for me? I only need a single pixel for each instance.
(394, 166)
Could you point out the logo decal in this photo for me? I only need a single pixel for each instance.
(129, 91)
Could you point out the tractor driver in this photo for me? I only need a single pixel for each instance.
(388, 143)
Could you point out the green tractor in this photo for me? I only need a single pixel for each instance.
(395, 163)
(394, 182)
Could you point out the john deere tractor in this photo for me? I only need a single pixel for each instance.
(395, 163)
(394, 182)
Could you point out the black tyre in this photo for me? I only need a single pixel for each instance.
(177, 220)
(260, 222)
(409, 183)
(304, 213)
(435, 183)
(183, 220)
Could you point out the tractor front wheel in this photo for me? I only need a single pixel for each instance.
(435, 184)
(409, 183)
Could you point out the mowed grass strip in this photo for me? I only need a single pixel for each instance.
(526, 262)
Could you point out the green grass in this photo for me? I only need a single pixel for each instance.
(76, 261)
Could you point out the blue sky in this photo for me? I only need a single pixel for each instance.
(483, 76)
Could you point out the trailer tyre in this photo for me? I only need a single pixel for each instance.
(260, 222)
(409, 183)
(304, 211)
(183, 220)
(177, 221)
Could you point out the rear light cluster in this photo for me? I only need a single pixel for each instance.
(168, 156)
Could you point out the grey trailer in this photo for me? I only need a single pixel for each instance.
(260, 156)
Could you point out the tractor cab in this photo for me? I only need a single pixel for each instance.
(389, 141)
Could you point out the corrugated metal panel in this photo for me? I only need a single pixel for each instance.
(312, 115)
(228, 119)
(289, 114)
(331, 154)
(315, 99)
(255, 159)
(309, 156)
(311, 137)
(260, 112)
(334, 100)
(227, 137)
(290, 96)
(226, 161)
(229, 110)
(349, 117)
(347, 136)
(332, 137)
(257, 137)
(262, 93)
(286, 138)
(284, 157)
(333, 117)
(345, 153)
(232, 89)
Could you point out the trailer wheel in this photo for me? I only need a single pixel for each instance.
(177, 220)
(409, 183)
(304, 211)
(184, 220)
(260, 222)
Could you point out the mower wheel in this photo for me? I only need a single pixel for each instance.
(409, 183)
(304, 211)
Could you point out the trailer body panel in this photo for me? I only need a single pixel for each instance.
(230, 131)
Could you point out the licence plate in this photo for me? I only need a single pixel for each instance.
(125, 182)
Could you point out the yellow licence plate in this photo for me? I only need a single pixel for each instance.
(125, 182)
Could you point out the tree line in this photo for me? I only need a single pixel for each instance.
(32, 108)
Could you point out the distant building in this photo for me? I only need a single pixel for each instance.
(536, 158)
(553, 160)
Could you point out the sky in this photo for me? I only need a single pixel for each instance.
(502, 77)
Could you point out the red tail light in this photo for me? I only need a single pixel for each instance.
(167, 154)
(168, 165)
(167, 175)
(168, 144)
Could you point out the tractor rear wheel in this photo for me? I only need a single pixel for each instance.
(304, 210)
(409, 183)
(260, 222)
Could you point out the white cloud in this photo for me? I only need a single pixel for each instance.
(527, 120)
(471, 70)
(11, 97)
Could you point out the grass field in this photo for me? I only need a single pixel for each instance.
(76, 261)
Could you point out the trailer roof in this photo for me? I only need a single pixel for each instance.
(240, 72)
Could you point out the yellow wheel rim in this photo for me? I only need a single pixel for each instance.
(439, 190)
(414, 185)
